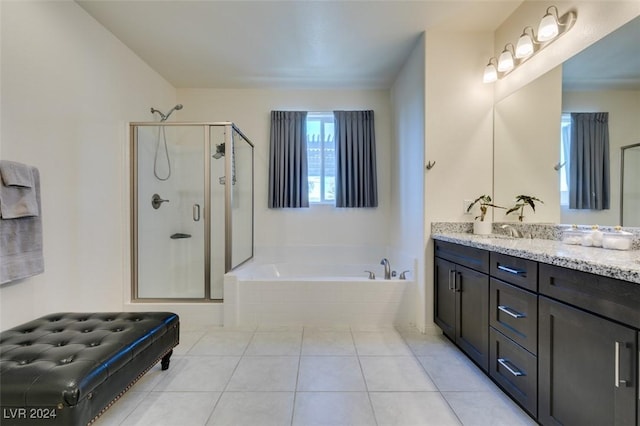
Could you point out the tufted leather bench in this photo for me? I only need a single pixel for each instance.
(68, 368)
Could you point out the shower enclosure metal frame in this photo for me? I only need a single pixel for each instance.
(623, 149)
(229, 142)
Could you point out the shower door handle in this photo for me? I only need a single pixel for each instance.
(196, 212)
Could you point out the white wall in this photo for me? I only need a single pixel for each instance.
(527, 147)
(458, 132)
(623, 107)
(407, 176)
(320, 224)
(68, 89)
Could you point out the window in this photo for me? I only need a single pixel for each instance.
(321, 157)
(565, 146)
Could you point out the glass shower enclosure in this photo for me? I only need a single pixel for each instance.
(629, 187)
(192, 209)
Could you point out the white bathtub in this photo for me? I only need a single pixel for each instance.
(316, 294)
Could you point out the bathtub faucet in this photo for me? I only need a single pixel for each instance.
(387, 268)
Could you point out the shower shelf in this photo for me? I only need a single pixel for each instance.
(179, 236)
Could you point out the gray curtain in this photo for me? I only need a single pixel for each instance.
(589, 162)
(288, 186)
(356, 182)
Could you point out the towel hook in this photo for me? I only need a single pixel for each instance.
(430, 165)
(559, 166)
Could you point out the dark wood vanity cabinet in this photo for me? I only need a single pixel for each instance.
(587, 368)
(462, 299)
(562, 343)
(588, 349)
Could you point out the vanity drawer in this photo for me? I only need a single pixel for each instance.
(515, 270)
(514, 312)
(611, 298)
(515, 370)
(470, 257)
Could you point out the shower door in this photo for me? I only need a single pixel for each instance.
(192, 215)
(169, 195)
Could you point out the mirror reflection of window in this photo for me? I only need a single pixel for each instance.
(565, 146)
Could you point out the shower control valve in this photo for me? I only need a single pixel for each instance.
(156, 201)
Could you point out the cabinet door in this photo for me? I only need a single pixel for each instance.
(472, 303)
(445, 297)
(587, 369)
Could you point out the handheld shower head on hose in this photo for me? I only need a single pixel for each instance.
(175, 108)
(164, 117)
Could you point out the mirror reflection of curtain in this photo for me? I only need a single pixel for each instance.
(589, 161)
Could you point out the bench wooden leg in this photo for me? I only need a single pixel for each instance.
(165, 360)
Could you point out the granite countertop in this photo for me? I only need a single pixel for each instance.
(622, 265)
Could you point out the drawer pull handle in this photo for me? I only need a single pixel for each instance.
(518, 272)
(510, 367)
(511, 312)
(617, 365)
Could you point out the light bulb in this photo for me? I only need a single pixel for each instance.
(490, 73)
(524, 47)
(505, 61)
(548, 29)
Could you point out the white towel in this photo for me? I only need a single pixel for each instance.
(17, 195)
(21, 242)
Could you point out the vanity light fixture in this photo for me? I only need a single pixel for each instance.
(550, 29)
(505, 60)
(490, 71)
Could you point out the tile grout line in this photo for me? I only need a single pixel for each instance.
(364, 379)
(295, 389)
(431, 378)
(253, 333)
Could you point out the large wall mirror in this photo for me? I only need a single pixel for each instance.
(605, 77)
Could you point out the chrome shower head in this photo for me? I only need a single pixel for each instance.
(164, 117)
(177, 107)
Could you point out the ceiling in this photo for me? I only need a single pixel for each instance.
(285, 44)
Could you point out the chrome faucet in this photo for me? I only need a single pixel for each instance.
(512, 231)
(387, 268)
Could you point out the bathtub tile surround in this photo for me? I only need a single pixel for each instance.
(328, 381)
(320, 286)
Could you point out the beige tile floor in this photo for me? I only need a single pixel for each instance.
(315, 376)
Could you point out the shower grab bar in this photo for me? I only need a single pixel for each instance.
(196, 212)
